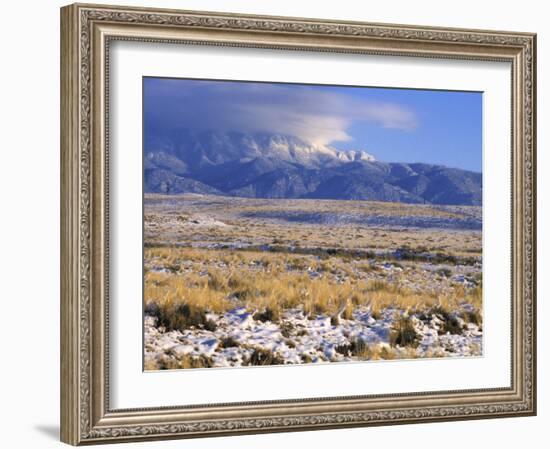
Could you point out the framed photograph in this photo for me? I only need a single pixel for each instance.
(279, 224)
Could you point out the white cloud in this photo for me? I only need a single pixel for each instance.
(312, 113)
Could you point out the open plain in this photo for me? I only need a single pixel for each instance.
(238, 281)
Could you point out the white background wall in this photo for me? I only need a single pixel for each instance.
(29, 250)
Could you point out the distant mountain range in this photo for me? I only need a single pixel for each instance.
(276, 166)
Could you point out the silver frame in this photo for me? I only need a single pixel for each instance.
(86, 34)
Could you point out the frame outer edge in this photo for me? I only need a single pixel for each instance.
(79, 423)
(533, 186)
(69, 130)
(535, 274)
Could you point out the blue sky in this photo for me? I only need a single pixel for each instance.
(395, 125)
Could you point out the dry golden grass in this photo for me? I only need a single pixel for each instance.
(269, 283)
(464, 244)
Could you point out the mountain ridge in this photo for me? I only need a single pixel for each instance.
(262, 165)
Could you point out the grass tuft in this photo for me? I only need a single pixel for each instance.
(262, 357)
(404, 333)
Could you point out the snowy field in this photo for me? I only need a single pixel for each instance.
(236, 282)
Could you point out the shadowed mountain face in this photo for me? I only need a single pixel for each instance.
(276, 166)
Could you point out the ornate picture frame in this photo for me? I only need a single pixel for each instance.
(87, 32)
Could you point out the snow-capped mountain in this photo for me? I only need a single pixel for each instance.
(278, 166)
(215, 148)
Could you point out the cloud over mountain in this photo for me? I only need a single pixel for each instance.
(317, 115)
